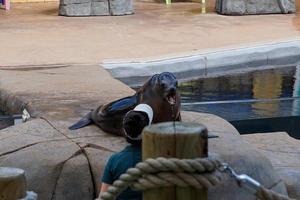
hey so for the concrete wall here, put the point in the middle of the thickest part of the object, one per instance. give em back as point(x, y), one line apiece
point(33, 1)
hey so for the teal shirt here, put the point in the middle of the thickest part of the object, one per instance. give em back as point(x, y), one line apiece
point(118, 164)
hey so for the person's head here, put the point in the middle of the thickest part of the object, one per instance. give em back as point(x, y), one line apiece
point(135, 121)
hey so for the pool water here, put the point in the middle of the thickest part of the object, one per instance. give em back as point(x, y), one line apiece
point(258, 101)
point(9, 120)
point(5, 122)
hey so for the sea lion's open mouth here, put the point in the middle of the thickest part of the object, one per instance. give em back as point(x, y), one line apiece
point(171, 98)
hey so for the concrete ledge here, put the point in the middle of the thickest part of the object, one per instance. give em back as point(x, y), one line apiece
point(279, 53)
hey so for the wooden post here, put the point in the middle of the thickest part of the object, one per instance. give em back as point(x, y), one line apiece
point(12, 183)
point(177, 140)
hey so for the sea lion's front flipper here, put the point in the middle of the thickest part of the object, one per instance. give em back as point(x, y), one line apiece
point(86, 120)
point(121, 105)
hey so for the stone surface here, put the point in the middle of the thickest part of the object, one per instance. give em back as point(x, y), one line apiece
point(76, 9)
point(291, 178)
point(32, 132)
point(71, 167)
point(42, 163)
point(251, 7)
point(284, 153)
point(95, 7)
point(243, 157)
point(100, 8)
point(75, 180)
point(210, 63)
point(98, 159)
point(67, 2)
point(121, 7)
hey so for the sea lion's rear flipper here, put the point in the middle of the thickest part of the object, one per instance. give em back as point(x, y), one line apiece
point(86, 120)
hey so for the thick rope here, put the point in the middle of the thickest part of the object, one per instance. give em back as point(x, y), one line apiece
point(266, 194)
point(162, 172)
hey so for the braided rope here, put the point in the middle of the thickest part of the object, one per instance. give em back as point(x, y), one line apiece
point(266, 194)
point(163, 172)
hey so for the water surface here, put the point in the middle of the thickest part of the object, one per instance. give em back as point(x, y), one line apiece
point(257, 101)
point(252, 95)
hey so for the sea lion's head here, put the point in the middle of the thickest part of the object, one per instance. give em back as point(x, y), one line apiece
point(160, 92)
point(167, 85)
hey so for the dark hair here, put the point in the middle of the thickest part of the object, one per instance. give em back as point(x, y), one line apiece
point(133, 123)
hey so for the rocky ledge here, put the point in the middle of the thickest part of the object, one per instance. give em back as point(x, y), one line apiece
point(252, 7)
point(95, 7)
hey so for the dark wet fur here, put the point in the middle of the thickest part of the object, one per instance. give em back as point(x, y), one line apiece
point(86, 120)
point(109, 117)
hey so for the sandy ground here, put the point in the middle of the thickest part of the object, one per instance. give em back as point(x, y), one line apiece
point(33, 34)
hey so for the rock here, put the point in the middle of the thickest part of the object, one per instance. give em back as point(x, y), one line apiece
point(60, 165)
point(95, 7)
point(68, 186)
point(70, 2)
point(77, 9)
point(43, 163)
point(121, 7)
point(284, 153)
point(98, 159)
point(98, 150)
point(251, 7)
point(53, 162)
point(31, 133)
point(100, 8)
point(240, 155)
point(291, 178)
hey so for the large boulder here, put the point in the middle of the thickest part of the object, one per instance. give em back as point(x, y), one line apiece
point(251, 7)
point(52, 162)
point(240, 155)
point(61, 164)
point(95, 7)
point(284, 153)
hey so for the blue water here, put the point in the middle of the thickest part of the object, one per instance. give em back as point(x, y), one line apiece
point(257, 101)
point(252, 95)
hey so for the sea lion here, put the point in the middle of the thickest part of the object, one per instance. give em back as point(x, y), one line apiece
point(160, 92)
